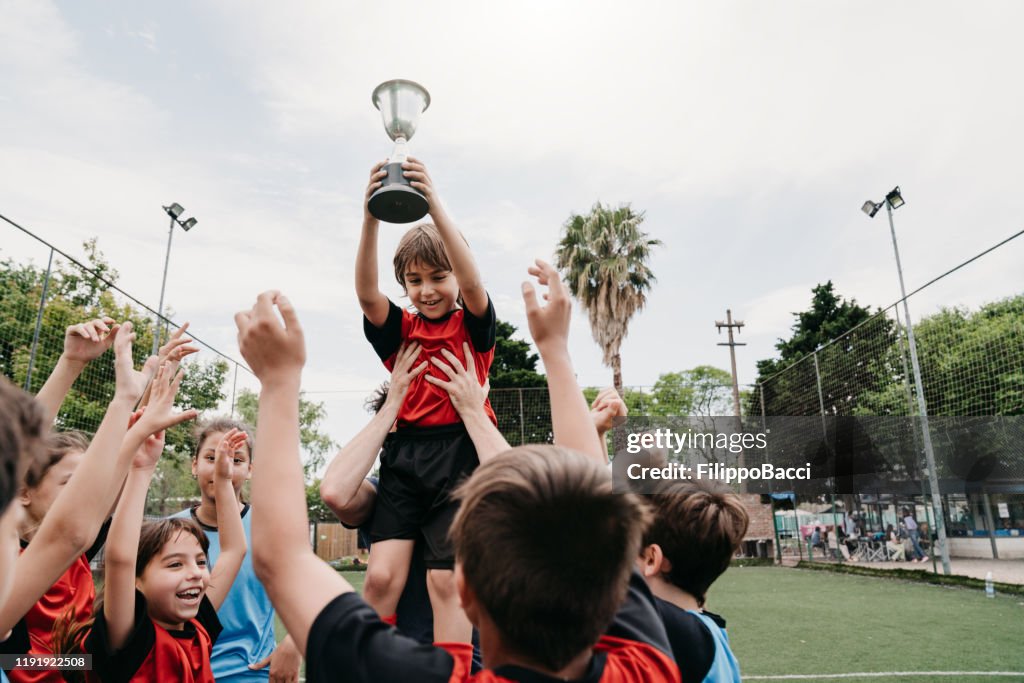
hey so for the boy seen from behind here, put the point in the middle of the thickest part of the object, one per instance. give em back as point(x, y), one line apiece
point(697, 528)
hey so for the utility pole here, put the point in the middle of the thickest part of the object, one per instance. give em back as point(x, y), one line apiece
point(729, 324)
point(732, 344)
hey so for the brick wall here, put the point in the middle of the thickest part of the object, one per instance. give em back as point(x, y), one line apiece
point(760, 517)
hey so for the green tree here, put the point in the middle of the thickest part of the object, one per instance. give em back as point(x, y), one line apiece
point(514, 364)
point(76, 294)
point(854, 352)
point(519, 394)
point(314, 442)
point(604, 258)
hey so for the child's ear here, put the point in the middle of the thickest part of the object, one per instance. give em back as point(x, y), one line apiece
point(24, 497)
point(467, 598)
point(653, 562)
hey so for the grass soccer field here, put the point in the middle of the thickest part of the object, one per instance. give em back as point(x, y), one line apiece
point(788, 621)
point(804, 626)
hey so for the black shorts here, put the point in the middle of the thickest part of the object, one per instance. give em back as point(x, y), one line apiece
point(419, 468)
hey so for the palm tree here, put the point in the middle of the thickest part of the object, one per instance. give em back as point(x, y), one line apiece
point(603, 256)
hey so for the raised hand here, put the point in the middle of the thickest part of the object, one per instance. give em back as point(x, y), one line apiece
point(419, 179)
point(89, 340)
point(148, 454)
point(231, 442)
point(463, 387)
point(274, 352)
point(176, 347)
point(549, 325)
point(159, 413)
point(607, 410)
point(129, 382)
point(377, 175)
point(174, 350)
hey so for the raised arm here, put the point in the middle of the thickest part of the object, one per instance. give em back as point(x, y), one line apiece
point(371, 300)
point(463, 265)
point(343, 488)
point(229, 520)
point(549, 326)
point(606, 410)
point(73, 521)
point(299, 584)
point(83, 342)
point(122, 548)
point(468, 399)
point(175, 349)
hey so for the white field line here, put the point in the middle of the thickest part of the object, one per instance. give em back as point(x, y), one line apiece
point(884, 674)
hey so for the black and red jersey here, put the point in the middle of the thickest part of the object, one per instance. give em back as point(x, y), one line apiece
point(73, 593)
point(348, 640)
point(427, 405)
point(154, 654)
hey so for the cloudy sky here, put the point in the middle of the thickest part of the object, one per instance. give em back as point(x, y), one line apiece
point(750, 133)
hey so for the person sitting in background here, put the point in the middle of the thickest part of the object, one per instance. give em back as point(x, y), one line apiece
point(893, 545)
point(817, 542)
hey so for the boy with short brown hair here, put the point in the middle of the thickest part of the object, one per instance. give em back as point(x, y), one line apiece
point(696, 530)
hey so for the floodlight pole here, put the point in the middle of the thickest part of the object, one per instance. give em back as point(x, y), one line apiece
point(163, 286)
point(929, 453)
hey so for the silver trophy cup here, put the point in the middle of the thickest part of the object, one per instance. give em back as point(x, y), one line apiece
point(400, 103)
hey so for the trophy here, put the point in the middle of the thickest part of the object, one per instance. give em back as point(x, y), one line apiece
point(400, 103)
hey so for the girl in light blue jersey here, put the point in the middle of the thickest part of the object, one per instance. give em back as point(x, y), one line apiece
point(245, 650)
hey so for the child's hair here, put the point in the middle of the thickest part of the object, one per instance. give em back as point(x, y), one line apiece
point(699, 526)
point(375, 401)
point(222, 425)
point(22, 438)
point(547, 548)
point(421, 243)
point(156, 534)
point(69, 632)
point(58, 444)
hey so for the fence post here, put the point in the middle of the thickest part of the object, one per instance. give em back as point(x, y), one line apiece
point(522, 419)
point(824, 436)
point(39, 325)
point(234, 388)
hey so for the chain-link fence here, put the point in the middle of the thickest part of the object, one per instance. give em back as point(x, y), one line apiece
point(43, 291)
point(971, 362)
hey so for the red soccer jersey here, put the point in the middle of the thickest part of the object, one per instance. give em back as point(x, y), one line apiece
point(33, 634)
point(348, 636)
point(154, 654)
point(623, 661)
point(427, 405)
point(73, 590)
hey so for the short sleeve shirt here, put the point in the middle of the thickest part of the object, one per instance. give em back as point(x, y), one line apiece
point(347, 636)
point(427, 405)
point(152, 653)
point(73, 593)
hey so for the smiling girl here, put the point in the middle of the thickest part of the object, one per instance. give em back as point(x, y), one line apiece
point(158, 621)
point(245, 651)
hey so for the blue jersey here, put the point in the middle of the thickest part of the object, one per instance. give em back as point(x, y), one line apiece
point(724, 668)
point(700, 644)
point(246, 615)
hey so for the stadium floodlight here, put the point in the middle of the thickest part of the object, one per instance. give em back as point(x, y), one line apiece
point(174, 211)
point(870, 208)
point(894, 200)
